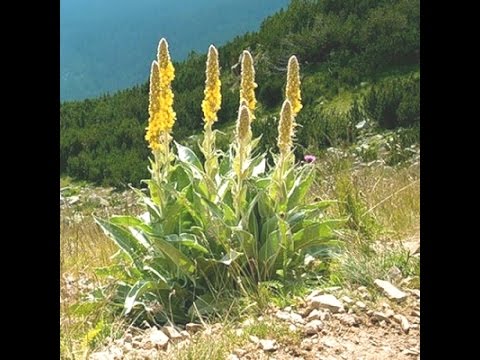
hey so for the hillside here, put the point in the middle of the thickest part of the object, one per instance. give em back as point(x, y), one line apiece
point(359, 61)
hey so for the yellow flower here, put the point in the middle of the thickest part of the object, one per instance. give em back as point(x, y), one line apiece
point(247, 83)
point(285, 128)
point(161, 114)
point(213, 96)
point(293, 85)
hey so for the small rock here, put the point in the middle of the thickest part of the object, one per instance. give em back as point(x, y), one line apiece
point(282, 315)
point(254, 339)
point(288, 309)
point(410, 352)
point(318, 315)
point(172, 333)
point(390, 291)
point(313, 327)
point(362, 289)
point(73, 200)
point(296, 318)
point(185, 334)
point(158, 338)
point(379, 316)
point(389, 313)
point(395, 274)
point(193, 328)
point(346, 299)
point(330, 343)
point(327, 302)
point(405, 324)
point(239, 332)
point(413, 247)
point(346, 319)
point(232, 357)
point(361, 305)
point(269, 345)
point(292, 328)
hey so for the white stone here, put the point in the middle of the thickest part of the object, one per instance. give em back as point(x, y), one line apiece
point(268, 345)
point(158, 338)
point(313, 327)
point(327, 302)
point(390, 290)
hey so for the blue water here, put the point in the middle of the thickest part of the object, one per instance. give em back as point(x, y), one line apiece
point(107, 45)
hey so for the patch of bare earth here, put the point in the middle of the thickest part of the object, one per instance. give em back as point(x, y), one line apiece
point(327, 325)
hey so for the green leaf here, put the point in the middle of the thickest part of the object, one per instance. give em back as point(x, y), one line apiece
point(137, 290)
point(123, 238)
point(176, 256)
point(269, 251)
point(190, 241)
point(186, 155)
point(126, 220)
point(316, 234)
point(246, 240)
point(299, 190)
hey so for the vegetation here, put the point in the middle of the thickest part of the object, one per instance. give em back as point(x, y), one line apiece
point(359, 60)
point(234, 220)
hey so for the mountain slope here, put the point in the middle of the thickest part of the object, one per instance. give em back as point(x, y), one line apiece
point(358, 59)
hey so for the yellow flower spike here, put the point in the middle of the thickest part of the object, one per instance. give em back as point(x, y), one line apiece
point(247, 83)
point(244, 131)
point(161, 114)
point(292, 90)
point(213, 97)
point(285, 128)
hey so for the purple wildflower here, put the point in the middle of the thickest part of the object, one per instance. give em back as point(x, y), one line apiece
point(309, 158)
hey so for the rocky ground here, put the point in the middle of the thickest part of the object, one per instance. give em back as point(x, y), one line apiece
point(328, 324)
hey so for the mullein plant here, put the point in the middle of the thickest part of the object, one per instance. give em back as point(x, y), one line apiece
point(161, 119)
point(210, 106)
point(286, 132)
point(224, 226)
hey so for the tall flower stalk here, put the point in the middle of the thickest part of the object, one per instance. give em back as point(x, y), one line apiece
point(242, 155)
point(247, 83)
point(292, 91)
point(285, 159)
point(161, 116)
point(210, 106)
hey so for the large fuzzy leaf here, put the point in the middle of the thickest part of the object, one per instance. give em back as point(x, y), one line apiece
point(186, 155)
point(174, 255)
point(316, 233)
point(124, 239)
point(300, 188)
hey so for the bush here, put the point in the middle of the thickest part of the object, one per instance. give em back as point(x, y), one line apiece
point(394, 103)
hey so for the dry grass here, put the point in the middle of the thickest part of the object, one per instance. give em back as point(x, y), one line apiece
point(388, 195)
point(83, 247)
